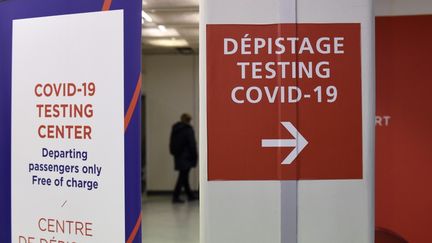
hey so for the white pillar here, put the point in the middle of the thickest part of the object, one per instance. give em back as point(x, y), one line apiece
point(343, 211)
point(325, 211)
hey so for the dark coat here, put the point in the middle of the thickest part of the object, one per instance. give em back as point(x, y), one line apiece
point(183, 146)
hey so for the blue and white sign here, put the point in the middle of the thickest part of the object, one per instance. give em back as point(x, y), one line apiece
point(70, 124)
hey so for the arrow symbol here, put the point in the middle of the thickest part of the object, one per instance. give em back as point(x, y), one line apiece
point(298, 143)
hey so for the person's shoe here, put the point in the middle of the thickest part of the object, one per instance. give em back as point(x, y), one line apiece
point(177, 201)
point(192, 198)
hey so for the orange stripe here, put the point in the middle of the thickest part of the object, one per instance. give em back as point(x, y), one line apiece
point(135, 229)
point(133, 103)
point(106, 5)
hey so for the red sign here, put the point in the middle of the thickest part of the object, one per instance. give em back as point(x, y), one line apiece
point(284, 102)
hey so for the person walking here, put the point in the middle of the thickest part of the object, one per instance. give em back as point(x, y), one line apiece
point(184, 149)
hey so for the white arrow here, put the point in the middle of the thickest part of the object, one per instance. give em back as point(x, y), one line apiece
point(298, 143)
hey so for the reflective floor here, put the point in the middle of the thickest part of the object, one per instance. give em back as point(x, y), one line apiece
point(164, 222)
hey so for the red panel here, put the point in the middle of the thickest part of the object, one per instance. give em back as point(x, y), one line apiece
point(403, 144)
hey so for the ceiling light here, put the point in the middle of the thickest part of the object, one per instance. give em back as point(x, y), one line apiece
point(156, 32)
point(169, 42)
point(162, 28)
point(147, 17)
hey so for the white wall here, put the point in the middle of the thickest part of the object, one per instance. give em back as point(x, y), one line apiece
point(170, 84)
point(402, 7)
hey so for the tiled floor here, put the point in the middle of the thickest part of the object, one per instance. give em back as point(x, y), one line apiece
point(164, 222)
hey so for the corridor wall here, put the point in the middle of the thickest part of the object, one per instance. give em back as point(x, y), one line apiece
point(170, 86)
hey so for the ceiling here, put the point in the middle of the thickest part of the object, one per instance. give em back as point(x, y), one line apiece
point(170, 26)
